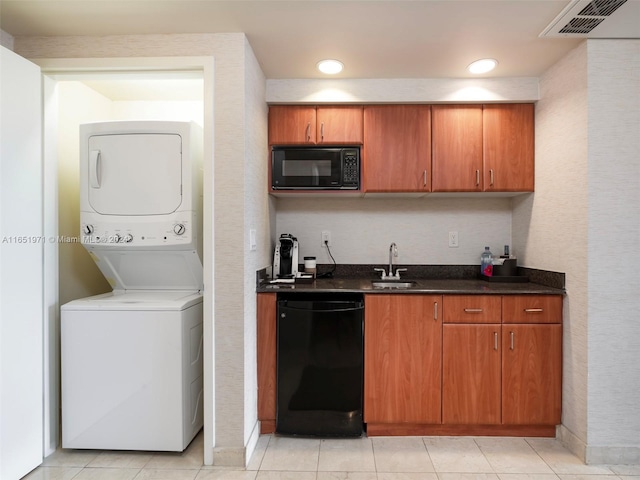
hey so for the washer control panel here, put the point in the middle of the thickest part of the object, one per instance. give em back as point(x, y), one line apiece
point(179, 232)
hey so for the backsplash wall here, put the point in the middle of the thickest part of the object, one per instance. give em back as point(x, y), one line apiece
point(363, 228)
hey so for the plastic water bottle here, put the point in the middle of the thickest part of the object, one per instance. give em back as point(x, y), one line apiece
point(486, 263)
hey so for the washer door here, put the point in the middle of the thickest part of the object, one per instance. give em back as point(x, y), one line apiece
point(135, 174)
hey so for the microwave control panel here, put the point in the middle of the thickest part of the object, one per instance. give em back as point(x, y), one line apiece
point(351, 168)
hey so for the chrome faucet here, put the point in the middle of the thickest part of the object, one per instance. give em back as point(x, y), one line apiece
point(393, 252)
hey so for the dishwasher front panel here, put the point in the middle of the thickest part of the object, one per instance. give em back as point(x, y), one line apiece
point(320, 365)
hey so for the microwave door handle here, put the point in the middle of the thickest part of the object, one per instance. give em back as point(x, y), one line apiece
point(315, 173)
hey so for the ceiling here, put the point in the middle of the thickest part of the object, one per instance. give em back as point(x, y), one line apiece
point(373, 38)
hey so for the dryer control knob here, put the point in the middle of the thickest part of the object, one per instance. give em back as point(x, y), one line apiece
point(128, 238)
point(179, 229)
point(87, 229)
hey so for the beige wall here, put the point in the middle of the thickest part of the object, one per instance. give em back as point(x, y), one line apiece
point(583, 220)
point(550, 227)
point(614, 251)
point(78, 273)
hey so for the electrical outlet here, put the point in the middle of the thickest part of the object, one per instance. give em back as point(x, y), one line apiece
point(326, 238)
point(453, 239)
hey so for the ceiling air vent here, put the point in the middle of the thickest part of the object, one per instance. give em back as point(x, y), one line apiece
point(581, 17)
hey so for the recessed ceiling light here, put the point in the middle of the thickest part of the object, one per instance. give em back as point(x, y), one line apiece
point(330, 67)
point(482, 66)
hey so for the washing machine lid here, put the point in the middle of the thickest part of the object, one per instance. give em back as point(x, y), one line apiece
point(135, 173)
point(137, 300)
point(150, 269)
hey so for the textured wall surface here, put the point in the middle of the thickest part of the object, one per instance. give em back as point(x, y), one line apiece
point(583, 220)
point(363, 228)
point(403, 90)
point(256, 217)
point(614, 250)
point(550, 227)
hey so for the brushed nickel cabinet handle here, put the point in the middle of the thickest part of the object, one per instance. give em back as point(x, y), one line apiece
point(477, 178)
point(424, 178)
point(534, 310)
point(435, 310)
point(491, 177)
point(495, 340)
point(472, 310)
point(308, 131)
point(512, 340)
point(322, 131)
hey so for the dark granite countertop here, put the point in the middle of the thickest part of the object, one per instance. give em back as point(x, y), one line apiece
point(423, 286)
point(428, 280)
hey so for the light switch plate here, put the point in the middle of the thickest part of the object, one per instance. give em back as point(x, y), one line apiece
point(253, 245)
point(453, 239)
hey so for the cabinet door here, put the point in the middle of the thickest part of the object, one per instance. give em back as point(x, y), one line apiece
point(397, 148)
point(339, 125)
point(508, 147)
point(456, 158)
point(403, 349)
point(531, 374)
point(266, 340)
point(471, 374)
point(292, 125)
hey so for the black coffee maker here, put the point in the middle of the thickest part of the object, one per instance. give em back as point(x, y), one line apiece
point(285, 258)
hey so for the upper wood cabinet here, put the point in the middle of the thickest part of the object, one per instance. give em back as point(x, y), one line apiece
point(402, 359)
point(305, 125)
point(397, 148)
point(482, 148)
point(508, 147)
point(457, 148)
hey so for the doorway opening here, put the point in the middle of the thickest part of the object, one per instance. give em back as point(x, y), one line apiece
point(93, 90)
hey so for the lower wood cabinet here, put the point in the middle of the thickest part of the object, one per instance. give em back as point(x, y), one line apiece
point(471, 374)
point(266, 346)
point(402, 359)
point(505, 373)
point(531, 374)
point(446, 365)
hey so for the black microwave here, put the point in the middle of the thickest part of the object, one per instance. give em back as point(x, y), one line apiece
point(315, 168)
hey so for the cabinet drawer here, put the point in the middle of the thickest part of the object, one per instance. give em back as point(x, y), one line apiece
point(471, 309)
point(532, 309)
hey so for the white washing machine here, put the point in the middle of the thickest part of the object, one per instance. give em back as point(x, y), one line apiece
point(132, 358)
point(132, 371)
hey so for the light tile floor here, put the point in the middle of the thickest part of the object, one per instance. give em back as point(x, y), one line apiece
point(378, 458)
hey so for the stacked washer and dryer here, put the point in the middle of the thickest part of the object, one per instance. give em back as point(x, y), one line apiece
point(132, 358)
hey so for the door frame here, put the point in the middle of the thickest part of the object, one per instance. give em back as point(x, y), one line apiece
point(55, 69)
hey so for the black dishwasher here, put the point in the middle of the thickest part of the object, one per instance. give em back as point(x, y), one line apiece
point(320, 365)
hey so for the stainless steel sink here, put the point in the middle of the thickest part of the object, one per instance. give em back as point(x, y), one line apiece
point(392, 284)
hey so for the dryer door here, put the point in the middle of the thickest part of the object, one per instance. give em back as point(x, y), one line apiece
point(135, 174)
